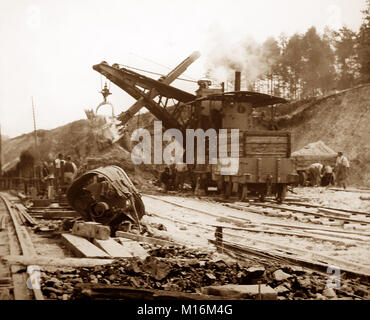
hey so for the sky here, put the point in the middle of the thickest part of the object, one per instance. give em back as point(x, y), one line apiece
point(48, 47)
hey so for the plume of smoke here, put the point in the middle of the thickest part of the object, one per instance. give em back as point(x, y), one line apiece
point(227, 54)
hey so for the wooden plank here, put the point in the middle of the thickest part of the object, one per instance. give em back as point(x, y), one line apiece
point(101, 291)
point(113, 248)
point(53, 261)
point(91, 230)
point(19, 217)
point(26, 216)
point(59, 214)
point(82, 247)
point(134, 247)
point(151, 240)
point(19, 277)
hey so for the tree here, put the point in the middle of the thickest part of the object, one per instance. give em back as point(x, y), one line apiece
point(291, 64)
point(270, 58)
point(363, 46)
point(346, 57)
point(318, 64)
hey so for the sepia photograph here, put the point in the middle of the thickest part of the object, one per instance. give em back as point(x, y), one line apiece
point(184, 158)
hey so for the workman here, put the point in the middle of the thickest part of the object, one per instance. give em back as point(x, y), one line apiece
point(341, 170)
point(164, 179)
point(70, 171)
point(314, 172)
point(327, 176)
point(58, 171)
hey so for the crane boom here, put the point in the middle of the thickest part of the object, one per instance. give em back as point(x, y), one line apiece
point(172, 76)
point(129, 81)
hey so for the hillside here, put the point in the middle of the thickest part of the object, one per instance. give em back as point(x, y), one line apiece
point(341, 121)
point(79, 139)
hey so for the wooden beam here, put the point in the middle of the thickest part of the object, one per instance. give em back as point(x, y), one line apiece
point(91, 230)
point(82, 247)
point(139, 238)
point(98, 291)
point(134, 247)
point(54, 262)
point(113, 248)
point(59, 214)
point(22, 211)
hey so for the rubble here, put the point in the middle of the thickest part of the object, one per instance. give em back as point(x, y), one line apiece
point(184, 270)
point(280, 275)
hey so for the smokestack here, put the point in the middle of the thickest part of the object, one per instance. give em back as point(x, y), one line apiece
point(237, 80)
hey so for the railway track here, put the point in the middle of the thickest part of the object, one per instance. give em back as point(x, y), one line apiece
point(311, 214)
point(17, 282)
point(284, 212)
point(242, 227)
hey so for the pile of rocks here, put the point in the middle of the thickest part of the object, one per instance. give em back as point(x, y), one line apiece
point(184, 270)
point(295, 283)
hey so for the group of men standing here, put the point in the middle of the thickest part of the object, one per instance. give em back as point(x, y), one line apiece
point(325, 175)
point(58, 174)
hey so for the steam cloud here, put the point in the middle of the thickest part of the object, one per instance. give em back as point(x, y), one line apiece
point(227, 54)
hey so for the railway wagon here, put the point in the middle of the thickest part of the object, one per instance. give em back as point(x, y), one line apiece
point(263, 161)
point(264, 166)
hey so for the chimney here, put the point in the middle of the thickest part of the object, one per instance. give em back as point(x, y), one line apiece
point(237, 80)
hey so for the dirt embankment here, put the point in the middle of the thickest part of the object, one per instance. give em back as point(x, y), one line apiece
point(341, 121)
point(80, 140)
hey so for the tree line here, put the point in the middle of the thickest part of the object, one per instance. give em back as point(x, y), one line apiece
point(310, 64)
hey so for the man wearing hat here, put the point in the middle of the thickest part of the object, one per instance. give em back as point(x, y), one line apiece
point(341, 170)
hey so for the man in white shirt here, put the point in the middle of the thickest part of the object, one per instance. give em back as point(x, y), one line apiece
point(341, 170)
point(70, 171)
point(58, 171)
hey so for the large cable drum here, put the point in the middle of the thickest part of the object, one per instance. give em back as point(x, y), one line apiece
point(106, 195)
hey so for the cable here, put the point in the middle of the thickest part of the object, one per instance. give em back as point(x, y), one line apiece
point(156, 73)
point(152, 61)
point(147, 59)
